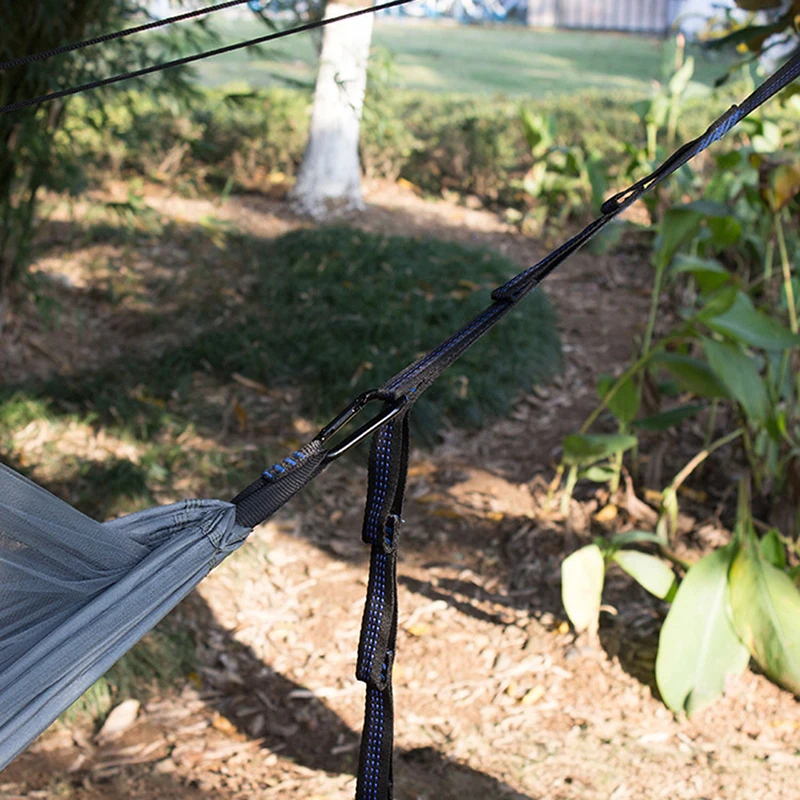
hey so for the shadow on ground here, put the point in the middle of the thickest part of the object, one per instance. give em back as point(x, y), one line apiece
point(298, 726)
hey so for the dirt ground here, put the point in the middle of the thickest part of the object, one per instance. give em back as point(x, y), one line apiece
point(495, 697)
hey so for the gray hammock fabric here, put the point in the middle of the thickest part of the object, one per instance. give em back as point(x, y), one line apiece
point(76, 594)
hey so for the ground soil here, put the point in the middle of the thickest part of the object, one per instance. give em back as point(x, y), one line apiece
point(495, 696)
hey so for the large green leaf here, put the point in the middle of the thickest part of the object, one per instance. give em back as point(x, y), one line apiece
point(678, 225)
point(582, 450)
point(582, 576)
point(693, 375)
point(710, 274)
point(668, 419)
point(725, 231)
point(772, 549)
point(648, 571)
point(745, 323)
point(766, 612)
point(624, 405)
point(634, 537)
point(717, 303)
point(698, 646)
point(740, 375)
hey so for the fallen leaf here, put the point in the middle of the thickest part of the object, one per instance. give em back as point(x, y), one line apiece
point(250, 383)
point(119, 720)
point(533, 695)
point(607, 514)
point(222, 724)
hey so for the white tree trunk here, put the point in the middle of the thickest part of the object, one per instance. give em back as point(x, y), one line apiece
point(329, 179)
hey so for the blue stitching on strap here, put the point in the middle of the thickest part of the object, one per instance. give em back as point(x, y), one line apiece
point(375, 724)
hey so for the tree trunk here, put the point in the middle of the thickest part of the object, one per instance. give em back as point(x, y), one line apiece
point(329, 179)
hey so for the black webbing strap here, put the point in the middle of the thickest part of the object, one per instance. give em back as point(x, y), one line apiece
point(388, 462)
point(388, 465)
point(278, 484)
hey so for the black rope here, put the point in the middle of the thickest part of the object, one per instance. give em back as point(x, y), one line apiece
point(139, 73)
point(108, 37)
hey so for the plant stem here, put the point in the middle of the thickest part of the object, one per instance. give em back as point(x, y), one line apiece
point(769, 257)
point(665, 552)
point(651, 317)
point(752, 460)
point(787, 273)
point(712, 421)
point(678, 480)
point(629, 373)
point(572, 479)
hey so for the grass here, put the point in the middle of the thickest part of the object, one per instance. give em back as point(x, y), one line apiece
point(447, 58)
point(335, 311)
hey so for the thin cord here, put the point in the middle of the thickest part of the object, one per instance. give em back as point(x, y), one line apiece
point(309, 26)
point(108, 37)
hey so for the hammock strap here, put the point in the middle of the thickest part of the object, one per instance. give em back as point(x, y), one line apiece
point(382, 521)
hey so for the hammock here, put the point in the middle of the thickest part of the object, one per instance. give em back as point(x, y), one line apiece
point(76, 594)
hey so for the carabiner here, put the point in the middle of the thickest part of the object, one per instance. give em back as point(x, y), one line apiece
point(393, 406)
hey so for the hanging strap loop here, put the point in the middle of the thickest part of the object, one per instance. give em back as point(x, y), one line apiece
point(388, 468)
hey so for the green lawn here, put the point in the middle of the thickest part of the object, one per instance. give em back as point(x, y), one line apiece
point(443, 57)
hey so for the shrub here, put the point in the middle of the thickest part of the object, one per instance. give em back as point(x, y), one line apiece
point(348, 309)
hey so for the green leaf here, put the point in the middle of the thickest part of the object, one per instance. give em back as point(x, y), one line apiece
point(582, 575)
point(772, 549)
point(680, 80)
point(698, 646)
point(668, 419)
point(582, 450)
point(710, 274)
point(598, 180)
point(740, 375)
point(717, 303)
point(750, 33)
point(766, 610)
point(650, 572)
point(624, 405)
point(728, 161)
point(678, 225)
point(747, 324)
point(769, 140)
point(708, 208)
point(538, 130)
point(634, 537)
point(693, 375)
point(725, 231)
point(598, 474)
